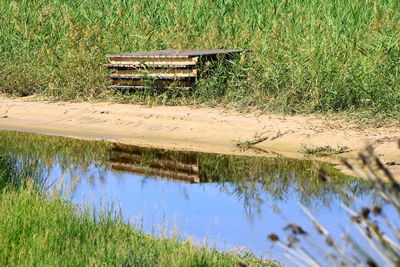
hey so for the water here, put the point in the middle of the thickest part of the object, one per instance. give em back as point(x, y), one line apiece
point(223, 201)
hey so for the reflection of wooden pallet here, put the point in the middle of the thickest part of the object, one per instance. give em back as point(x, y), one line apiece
point(149, 171)
point(171, 68)
point(150, 162)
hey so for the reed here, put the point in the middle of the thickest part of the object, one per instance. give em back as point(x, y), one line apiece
point(374, 239)
point(308, 56)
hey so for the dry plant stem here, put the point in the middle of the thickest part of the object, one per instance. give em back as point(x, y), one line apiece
point(296, 254)
point(382, 185)
point(294, 260)
point(359, 250)
point(379, 239)
point(365, 223)
point(393, 227)
point(320, 229)
point(380, 252)
point(328, 238)
point(306, 253)
point(382, 247)
point(313, 243)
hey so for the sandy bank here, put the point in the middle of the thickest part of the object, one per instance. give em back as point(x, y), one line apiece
point(198, 129)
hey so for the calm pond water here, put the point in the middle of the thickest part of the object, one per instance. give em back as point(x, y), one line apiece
point(220, 200)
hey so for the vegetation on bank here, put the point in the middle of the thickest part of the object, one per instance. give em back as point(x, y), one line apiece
point(307, 56)
point(39, 231)
point(36, 229)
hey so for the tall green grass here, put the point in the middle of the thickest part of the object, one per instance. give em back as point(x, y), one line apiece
point(35, 231)
point(308, 56)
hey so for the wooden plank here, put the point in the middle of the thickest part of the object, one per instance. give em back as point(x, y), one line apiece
point(155, 82)
point(157, 72)
point(171, 76)
point(153, 61)
point(179, 53)
point(159, 83)
point(133, 88)
point(147, 66)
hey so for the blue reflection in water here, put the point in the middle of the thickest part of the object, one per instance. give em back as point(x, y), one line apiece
point(234, 201)
point(198, 211)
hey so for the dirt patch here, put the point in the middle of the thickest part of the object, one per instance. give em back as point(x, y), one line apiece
point(197, 129)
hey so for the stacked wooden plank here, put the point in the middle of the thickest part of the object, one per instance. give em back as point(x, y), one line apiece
point(161, 68)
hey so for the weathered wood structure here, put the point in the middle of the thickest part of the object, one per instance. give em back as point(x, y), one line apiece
point(161, 68)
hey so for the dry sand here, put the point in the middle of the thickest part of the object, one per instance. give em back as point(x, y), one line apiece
point(197, 129)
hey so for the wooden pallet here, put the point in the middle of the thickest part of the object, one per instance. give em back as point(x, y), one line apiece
point(161, 68)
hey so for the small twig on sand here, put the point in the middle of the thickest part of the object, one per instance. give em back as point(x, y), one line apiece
point(279, 134)
point(247, 144)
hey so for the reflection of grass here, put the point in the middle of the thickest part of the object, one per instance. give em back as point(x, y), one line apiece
point(278, 177)
point(255, 178)
point(49, 149)
point(14, 171)
point(38, 231)
point(245, 176)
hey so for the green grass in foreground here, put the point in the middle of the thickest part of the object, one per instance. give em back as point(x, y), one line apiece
point(308, 56)
point(38, 231)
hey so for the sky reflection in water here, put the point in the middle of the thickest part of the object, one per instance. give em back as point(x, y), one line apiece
point(239, 201)
point(199, 211)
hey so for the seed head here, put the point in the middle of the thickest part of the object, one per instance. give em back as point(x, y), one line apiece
point(377, 210)
point(365, 213)
point(329, 241)
point(371, 263)
point(296, 229)
point(273, 237)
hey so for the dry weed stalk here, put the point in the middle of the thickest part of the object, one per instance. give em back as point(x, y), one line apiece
point(374, 247)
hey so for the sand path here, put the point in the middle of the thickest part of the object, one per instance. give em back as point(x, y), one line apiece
point(198, 129)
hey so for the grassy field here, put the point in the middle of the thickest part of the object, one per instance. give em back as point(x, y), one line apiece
point(308, 56)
